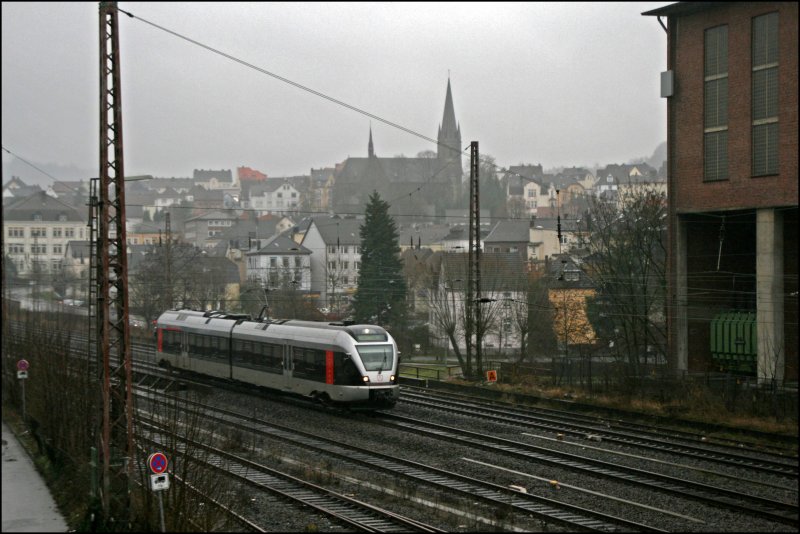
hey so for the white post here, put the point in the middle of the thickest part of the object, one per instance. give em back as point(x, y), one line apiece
point(161, 512)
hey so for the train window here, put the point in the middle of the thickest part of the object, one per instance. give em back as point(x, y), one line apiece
point(362, 338)
point(206, 347)
point(368, 333)
point(377, 357)
point(272, 357)
point(345, 372)
point(219, 347)
point(309, 363)
point(261, 356)
point(242, 352)
point(192, 345)
point(171, 341)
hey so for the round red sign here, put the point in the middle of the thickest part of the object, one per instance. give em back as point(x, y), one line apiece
point(22, 365)
point(157, 462)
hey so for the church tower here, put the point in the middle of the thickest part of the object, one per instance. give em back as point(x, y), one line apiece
point(370, 147)
point(449, 144)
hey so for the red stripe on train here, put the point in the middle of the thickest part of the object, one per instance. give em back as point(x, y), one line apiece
point(329, 367)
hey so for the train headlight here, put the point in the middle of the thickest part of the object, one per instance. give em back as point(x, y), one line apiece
point(391, 378)
point(365, 379)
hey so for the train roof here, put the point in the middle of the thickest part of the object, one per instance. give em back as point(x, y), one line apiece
point(288, 328)
point(216, 320)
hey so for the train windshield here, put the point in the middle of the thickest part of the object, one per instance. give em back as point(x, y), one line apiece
point(376, 357)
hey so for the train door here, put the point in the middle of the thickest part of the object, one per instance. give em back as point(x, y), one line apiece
point(183, 359)
point(288, 367)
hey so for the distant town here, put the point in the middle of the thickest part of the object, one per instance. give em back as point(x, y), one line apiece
point(248, 226)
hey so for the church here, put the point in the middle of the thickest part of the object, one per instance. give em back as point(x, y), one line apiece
point(420, 187)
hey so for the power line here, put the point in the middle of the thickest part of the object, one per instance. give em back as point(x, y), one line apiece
point(55, 180)
point(288, 81)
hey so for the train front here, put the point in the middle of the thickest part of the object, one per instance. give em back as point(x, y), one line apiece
point(377, 356)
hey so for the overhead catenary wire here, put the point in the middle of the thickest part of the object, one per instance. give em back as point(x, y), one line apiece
point(287, 80)
point(55, 180)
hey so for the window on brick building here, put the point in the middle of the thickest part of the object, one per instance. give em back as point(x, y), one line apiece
point(765, 94)
point(715, 121)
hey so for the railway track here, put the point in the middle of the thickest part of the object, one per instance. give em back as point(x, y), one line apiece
point(551, 511)
point(780, 445)
point(607, 431)
point(346, 510)
point(233, 516)
point(613, 431)
point(778, 511)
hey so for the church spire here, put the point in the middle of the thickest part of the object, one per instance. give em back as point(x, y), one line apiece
point(449, 126)
point(449, 142)
point(370, 147)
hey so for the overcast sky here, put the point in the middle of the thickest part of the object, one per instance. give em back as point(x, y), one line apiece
point(553, 83)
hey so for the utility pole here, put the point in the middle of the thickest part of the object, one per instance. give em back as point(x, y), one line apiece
point(558, 226)
point(116, 439)
point(474, 260)
point(168, 261)
point(94, 276)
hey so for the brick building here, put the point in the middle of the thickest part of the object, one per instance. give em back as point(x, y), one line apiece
point(731, 86)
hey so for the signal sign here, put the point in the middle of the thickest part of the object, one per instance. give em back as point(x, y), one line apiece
point(23, 365)
point(157, 462)
point(491, 376)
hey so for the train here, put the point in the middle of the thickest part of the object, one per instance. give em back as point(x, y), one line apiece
point(336, 363)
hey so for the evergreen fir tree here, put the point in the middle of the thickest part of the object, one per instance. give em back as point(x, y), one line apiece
point(381, 294)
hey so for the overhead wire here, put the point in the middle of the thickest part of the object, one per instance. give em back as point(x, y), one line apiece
point(285, 80)
point(55, 180)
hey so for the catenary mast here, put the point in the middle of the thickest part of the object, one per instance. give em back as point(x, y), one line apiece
point(113, 334)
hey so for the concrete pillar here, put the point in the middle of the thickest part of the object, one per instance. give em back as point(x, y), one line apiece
point(769, 295)
point(680, 315)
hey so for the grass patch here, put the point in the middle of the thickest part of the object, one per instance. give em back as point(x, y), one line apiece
point(694, 403)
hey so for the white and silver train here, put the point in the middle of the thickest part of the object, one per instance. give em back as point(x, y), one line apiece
point(352, 365)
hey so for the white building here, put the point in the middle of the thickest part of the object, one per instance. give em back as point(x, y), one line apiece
point(280, 263)
point(36, 231)
point(273, 196)
point(335, 245)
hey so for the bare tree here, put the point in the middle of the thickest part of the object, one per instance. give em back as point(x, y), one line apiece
point(446, 311)
point(627, 261)
point(516, 208)
point(175, 426)
point(174, 275)
point(208, 289)
point(334, 277)
point(288, 303)
point(59, 400)
point(540, 324)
